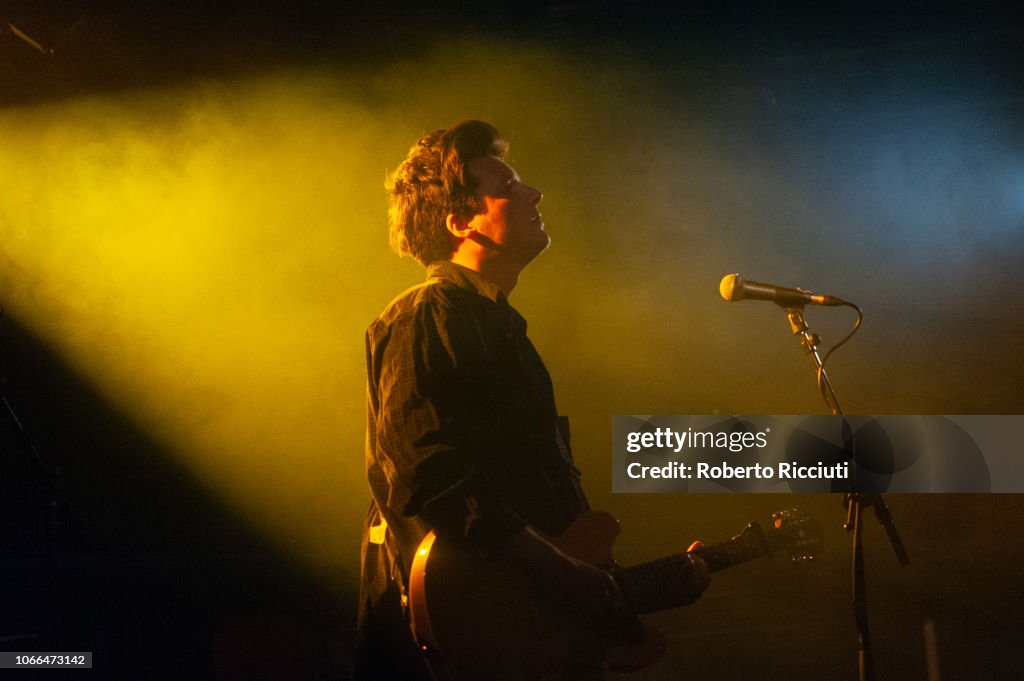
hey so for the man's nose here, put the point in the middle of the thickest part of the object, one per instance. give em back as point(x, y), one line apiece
point(534, 195)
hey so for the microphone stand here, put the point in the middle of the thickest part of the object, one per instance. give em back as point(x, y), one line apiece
point(855, 501)
point(809, 342)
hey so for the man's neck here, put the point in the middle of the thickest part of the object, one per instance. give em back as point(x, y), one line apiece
point(504, 276)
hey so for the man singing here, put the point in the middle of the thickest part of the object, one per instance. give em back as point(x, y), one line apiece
point(463, 437)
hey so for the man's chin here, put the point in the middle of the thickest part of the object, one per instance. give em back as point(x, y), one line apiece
point(521, 253)
point(542, 244)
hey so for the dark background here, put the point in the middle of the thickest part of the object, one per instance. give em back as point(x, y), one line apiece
point(874, 150)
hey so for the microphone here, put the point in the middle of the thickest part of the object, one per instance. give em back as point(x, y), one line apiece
point(734, 287)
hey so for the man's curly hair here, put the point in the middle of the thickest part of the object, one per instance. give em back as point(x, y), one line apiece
point(434, 181)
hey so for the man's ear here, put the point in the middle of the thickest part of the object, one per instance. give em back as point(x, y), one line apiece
point(458, 226)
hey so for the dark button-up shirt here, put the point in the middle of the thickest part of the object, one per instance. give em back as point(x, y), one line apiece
point(463, 436)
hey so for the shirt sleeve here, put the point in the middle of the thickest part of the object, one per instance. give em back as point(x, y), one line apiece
point(422, 364)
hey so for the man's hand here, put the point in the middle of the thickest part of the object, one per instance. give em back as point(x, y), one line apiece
point(584, 592)
point(691, 585)
point(593, 597)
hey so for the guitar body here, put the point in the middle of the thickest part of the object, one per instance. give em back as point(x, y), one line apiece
point(478, 619)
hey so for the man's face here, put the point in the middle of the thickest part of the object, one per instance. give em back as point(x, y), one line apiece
point(510, 225)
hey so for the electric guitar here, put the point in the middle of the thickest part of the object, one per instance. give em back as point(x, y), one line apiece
point(477, 619)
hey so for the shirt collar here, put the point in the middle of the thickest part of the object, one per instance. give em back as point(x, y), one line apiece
point(470, 280)
point(466, 278)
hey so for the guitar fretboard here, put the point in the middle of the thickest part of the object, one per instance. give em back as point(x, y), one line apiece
point(659, 584)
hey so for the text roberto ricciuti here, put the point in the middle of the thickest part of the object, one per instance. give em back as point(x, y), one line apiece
point(734, 441)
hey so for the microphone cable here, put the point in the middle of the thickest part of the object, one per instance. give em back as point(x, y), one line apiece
point(856, 327)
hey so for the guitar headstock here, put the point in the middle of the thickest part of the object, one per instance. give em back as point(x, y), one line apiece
point(795, 532)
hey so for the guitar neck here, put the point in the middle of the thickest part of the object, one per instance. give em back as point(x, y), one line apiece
point(659, 584)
